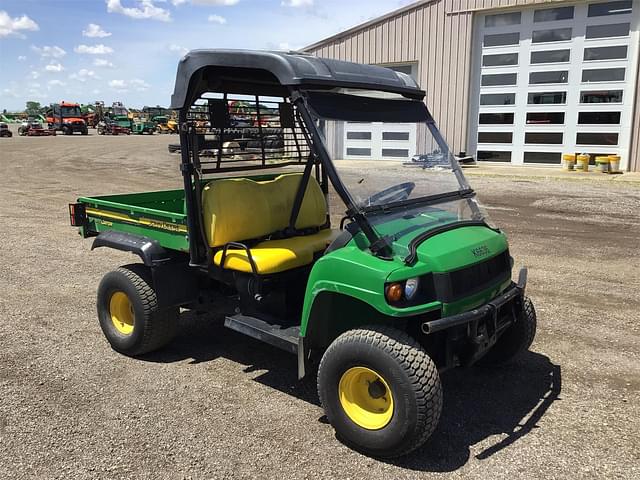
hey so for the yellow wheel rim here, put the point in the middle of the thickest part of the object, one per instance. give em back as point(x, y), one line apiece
point(366, 398)
point(121, 310)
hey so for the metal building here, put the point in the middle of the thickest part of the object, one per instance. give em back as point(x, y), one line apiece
point(518, 81)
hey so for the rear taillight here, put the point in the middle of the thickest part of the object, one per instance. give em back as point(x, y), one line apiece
point(77, 214)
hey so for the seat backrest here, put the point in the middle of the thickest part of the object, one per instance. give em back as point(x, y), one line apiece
point(237, 209)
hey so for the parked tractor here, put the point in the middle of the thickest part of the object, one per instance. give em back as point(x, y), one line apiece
point(165, 124)
point(67, 118)
point(33, 128)
point(142, 125)
point(4, 130)
point(111, 126)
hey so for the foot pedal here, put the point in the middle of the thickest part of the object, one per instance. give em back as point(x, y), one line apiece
point(285, 338)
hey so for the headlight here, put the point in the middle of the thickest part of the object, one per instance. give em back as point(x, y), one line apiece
point(411, 288)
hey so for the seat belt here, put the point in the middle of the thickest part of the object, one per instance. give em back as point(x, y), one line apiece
point(297, 203)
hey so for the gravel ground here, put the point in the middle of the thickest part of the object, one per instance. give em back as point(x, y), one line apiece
point(218, 405)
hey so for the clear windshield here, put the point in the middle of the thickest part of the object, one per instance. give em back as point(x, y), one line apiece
point(397, 168)
point(71, 112)
point(383, 163)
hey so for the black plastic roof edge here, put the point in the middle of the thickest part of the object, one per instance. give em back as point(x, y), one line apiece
point(289, 69)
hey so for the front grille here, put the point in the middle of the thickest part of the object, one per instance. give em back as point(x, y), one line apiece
point(452, 286)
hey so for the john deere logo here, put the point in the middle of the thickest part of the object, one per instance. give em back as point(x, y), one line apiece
point(480, 251)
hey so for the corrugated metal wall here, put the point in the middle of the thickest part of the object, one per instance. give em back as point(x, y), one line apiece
point(437, 35)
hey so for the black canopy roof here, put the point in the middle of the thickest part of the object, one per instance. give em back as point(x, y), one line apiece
point(272, 73)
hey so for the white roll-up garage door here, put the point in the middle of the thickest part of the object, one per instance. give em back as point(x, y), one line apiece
point(554, 80)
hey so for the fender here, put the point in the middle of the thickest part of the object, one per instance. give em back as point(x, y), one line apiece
point(149, 250)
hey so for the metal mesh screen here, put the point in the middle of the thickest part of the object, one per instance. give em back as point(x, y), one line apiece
point(240, 132)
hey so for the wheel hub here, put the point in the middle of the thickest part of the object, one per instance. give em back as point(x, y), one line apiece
point(122, 314)
point(366, 398)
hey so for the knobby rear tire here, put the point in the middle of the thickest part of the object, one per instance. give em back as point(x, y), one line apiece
point(153, 328)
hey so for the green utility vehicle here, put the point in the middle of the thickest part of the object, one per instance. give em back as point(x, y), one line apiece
point(376, 275)
point(140, 126)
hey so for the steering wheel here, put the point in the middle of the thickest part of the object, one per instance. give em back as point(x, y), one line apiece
point(392, 194)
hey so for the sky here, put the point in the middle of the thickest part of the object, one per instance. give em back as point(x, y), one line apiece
point(128, 50)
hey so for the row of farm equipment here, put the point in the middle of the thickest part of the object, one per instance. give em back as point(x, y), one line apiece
point(68, 118)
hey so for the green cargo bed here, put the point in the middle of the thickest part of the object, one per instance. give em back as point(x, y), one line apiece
point(157, 215)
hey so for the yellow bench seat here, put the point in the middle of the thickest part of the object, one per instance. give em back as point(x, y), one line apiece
point(274, 256)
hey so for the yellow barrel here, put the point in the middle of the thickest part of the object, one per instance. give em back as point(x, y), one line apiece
point(583, 163)
point(602, 164)
point(569, 160)
point(614, 163)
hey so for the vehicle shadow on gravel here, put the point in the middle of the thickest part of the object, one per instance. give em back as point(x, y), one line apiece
point(481, 402)
point(478, 402)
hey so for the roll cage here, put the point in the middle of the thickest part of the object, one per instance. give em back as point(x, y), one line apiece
point(210, 84)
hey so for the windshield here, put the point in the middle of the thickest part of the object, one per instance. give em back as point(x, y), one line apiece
point(392, 159)
point(71, 112)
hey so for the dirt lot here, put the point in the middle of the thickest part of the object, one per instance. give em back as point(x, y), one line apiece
point(219, 405)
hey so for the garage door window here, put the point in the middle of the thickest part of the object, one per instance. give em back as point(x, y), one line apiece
point(601, 96)
point(606, 53)
point(543, 138)
point(496, 118)
point(543, 157)
point(499, 79)
point(359, 151)
point(553, 14)
point(596, 138)
point(609, 8)
point(546, 98)
point(553, 35)
point(501, 39)
point(560, 76)
point(500, 60)
point(545, 118)
point(607, 31)
point(502, 19)
point(495, 137)
point(598, 118)
point(551, 56)
point(497, 99)
point(359, 135)
point(603, 75)
point(493, 156)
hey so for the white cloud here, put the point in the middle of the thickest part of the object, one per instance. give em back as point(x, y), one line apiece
point(9, 92)
point(177, 48)
point(217, 19)
point(54, 67)
point(133, 84)
point(210, 3)
point(83, 75)
point(21, 58)
point(93, 49)
point(297, 3)
point(34, 74)
point(14, 26)
point(56, 83)
point(118, 84)
point(102, 62)
point(49, 51)
point(95, 31)
point(145, 10)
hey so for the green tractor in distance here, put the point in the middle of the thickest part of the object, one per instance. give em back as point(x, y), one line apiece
point(141, 125)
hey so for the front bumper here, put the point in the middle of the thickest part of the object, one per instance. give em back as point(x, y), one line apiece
point(485, 324)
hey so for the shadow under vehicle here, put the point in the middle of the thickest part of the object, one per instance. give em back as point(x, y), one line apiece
point(411, 280)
